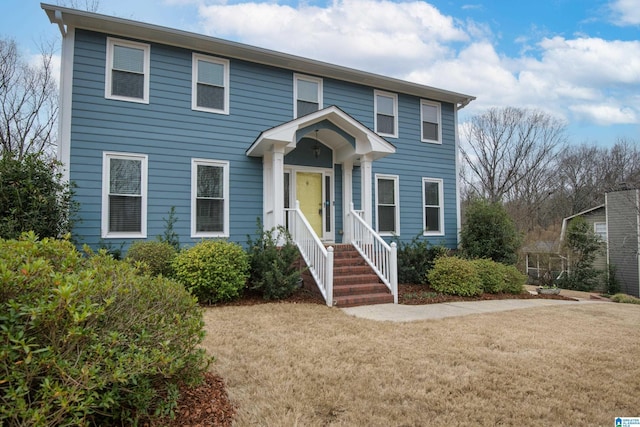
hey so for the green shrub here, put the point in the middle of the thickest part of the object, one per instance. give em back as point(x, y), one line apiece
point(88, 341)
point(624, 298)
point(612, 285)
point(272, 267)
point(156, 256)
point(514, 280)
point(489, 232)
point(33, 197)
point(491, 274)
point(213, 270)
point(455, 276)
point(416, 258)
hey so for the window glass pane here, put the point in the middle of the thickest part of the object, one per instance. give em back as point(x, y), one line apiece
point(128, 59)
point(386, 190)
point(305, 108)
point(127, 84)
point(210, 96)
point(430, 131)
point(386, 219)
point(210, 215)
point(125, 176)
point(210, 73)
point(327, 203)
point(210, 181)
point(308, 91)
point(429, 113)
point(287, 196)
point(431, 196)
point(432, 219)
point(385, 124)
point(385, 105)
point(125, 214)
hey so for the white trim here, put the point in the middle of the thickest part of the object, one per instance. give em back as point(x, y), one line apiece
point(317, 80)
point(65, 100)
point(456, 140)
point(438, 107)
point(396, 198)
point(440, 183)
point(393, 96)
point(194, 185)
point(324, 172)
point(194, 83)
point(106, 158)
point(146, 48)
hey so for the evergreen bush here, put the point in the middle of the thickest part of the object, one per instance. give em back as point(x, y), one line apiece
point(157, 257)
point(491, 274)
point(514, 280)
point(213, 270)
point(455, 276)
point(416, 258)
point(89, 341)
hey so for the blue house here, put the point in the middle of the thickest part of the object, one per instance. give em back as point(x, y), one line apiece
point(153, 118)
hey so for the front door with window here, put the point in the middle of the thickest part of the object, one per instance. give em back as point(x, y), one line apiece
point(314, 192)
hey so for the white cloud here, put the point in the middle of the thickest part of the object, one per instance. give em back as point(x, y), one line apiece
point(605, 114)
point(625, 12)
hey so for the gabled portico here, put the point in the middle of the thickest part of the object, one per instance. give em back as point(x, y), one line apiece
point(349, 142)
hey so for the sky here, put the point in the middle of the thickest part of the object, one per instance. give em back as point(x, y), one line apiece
point(578, 60)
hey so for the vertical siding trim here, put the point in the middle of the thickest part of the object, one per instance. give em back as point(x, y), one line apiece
point(606, 219)
point(66, 90)
point(638, 237)
point(456, 140)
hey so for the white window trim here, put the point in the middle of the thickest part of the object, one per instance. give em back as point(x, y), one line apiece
point(440, 183)
point(377, 93)
point(194, 193)
point(194, 83)
point(396, 190)
point(317, 80)
point(106, 158)
point(111, 42)
point(595, 230)
point(439, 113)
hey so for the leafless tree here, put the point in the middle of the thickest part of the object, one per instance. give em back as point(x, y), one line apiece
point(89, 5)
point(504, 147)
point(28, 100)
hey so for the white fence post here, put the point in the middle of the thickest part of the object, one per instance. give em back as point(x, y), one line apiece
point(329, 276)
point(393, 271)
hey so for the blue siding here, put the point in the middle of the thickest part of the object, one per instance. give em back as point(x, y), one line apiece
point(261, 97)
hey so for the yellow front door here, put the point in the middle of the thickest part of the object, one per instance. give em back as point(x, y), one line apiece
point(309, 194)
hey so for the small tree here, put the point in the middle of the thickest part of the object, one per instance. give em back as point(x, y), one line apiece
point(489, 233)
point(582, 245)
point(33, 197)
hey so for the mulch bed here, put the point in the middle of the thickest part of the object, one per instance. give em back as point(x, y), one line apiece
point(209, 405)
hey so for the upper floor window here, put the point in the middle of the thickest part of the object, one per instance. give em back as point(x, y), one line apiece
point(433, 206)
point(386, 111)
point(307, 95)
point(600, 228)
point(388, 208)
point(127, 75)
point(431, 118)
point(209, 198)
point(210, 90)
point(124, 195)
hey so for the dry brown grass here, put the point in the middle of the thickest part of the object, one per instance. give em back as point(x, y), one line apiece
point(309, 365)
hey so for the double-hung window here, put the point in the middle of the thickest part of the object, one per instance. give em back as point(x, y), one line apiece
point(431, 118)
point(307, 95)
point(386, 112)
point(210, 91)
point(124, 195)
point(127, 71)
point(209, 198)
point(600, 228)
point(432, 200)
point(388, 208)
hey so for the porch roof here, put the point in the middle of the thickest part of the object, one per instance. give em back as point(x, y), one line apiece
point(287, 135)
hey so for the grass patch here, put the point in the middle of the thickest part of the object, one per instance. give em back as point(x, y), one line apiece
point(302, 364)
point(624, 298)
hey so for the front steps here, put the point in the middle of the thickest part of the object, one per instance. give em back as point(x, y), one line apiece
point(354, 282)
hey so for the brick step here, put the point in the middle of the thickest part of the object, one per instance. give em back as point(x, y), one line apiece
point(346, 262)
point(343, 248)
point(346, 270)
point(360, 289)
point(365, 299)
point(354, 279)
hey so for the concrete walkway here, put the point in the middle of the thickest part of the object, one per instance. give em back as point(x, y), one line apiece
point(408, 313)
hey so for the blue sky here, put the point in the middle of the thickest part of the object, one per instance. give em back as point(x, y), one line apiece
point(576, 59)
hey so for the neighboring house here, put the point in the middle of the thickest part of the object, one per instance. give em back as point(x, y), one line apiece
point(153, 118)
point(617, 222)
point(543, 262)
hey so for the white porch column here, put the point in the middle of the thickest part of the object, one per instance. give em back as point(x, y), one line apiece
point(366, 188)
point(267, 190)
point(347, 199)
point(278, 185)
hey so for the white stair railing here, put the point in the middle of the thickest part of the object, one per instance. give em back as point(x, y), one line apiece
point(318, 258)
point(382, 257)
